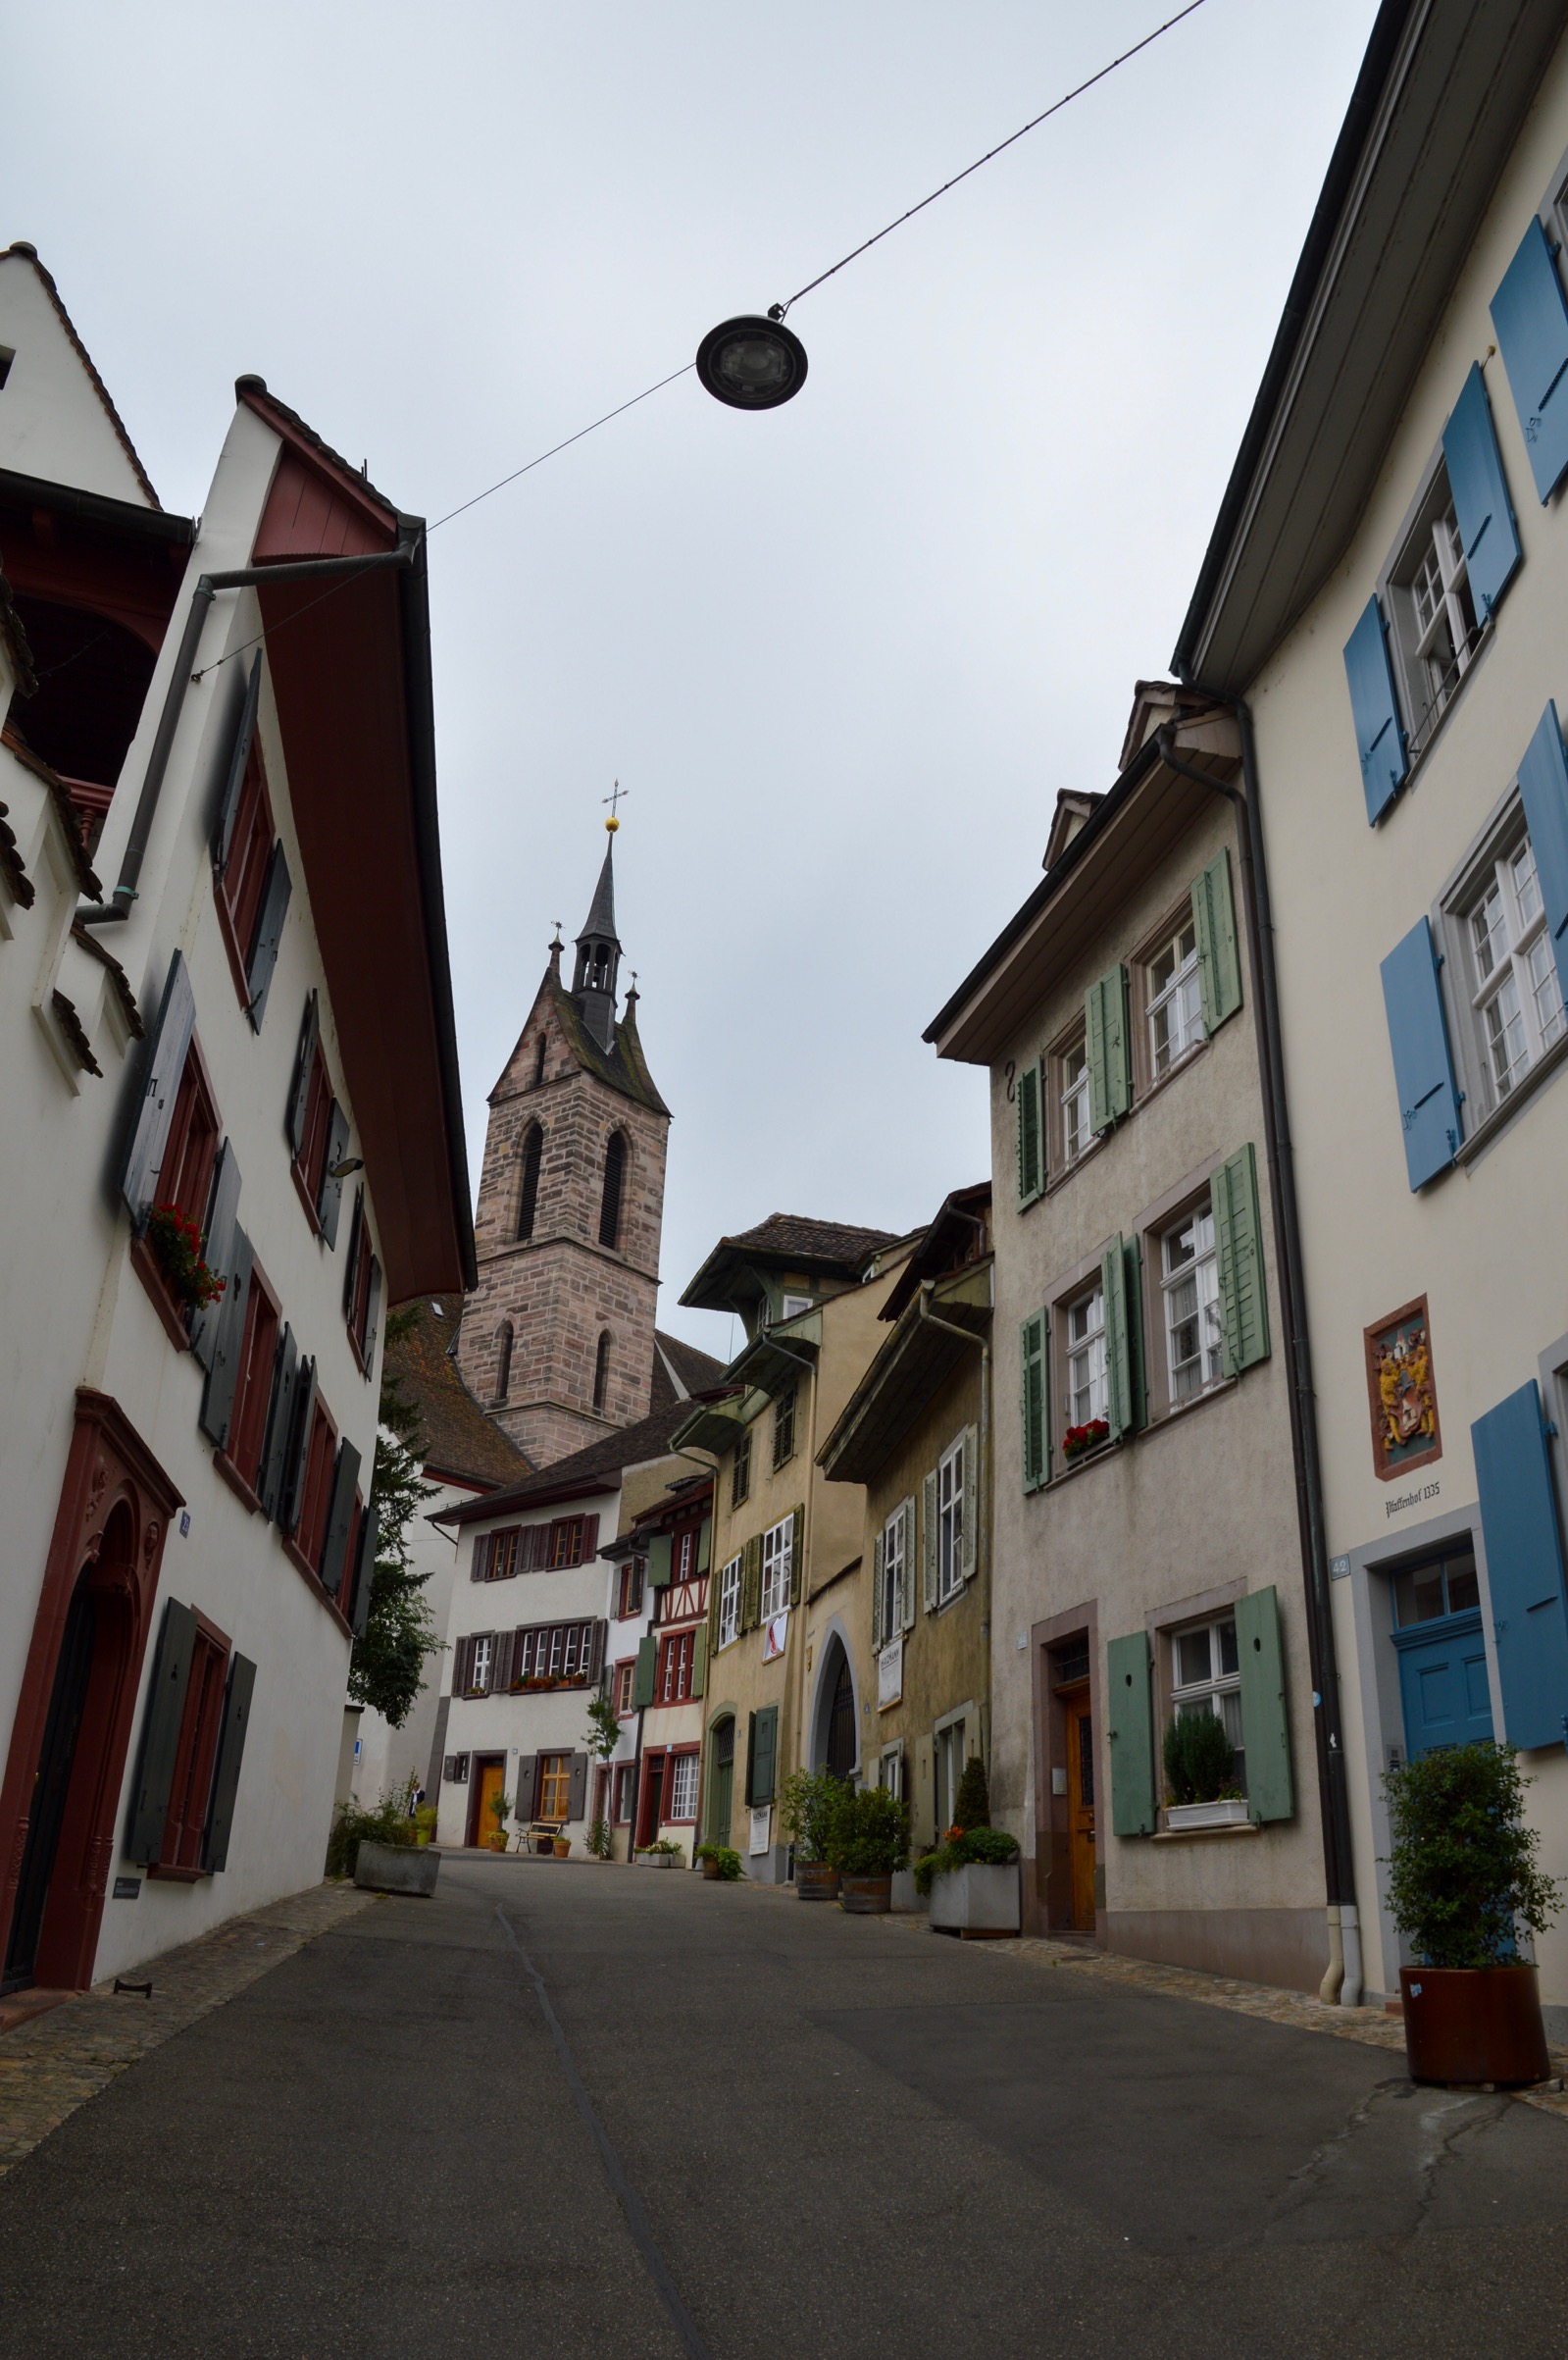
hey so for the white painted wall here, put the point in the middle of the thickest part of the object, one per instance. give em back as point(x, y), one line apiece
point(53, 422)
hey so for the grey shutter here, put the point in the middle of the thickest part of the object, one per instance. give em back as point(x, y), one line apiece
point(285, 1374)
point(461, 1650)
point(1029, 1112)
point(528, 1788)
point(269, 934)
point(577, 1793)
point(1265, 1732)
point(329, 1199)
point(221, 1241)
point(339, 1517)
point(479, 1561)
point(1379, 738)
point(503, 1654)
point(1423, 1066)
point(1033, 1401)
point(1118, 1340)
point(163, 1064)
point(659, 1561)
point(234, 777)
point(228, 1342)
point(1108, 1049)
point(351, 1261)
point(1531, 320)
point(1544, 791)
point(1219, 953)
point(160, 1732)
point(1238, 1236)
point(434, 1776)
point(1481, 508)
point(359, 1602)
point(700, 1659)
point(291, 1489)
point(971, 1502)
point(1130, 1732)
point(751, 1583)
point(230, 1753)
point(596, 1657)
point(372, 1315)
point(906, 1599)
point(1524, 1567)
point(1136, 1334)
point(299, 1087)
point(751, 1752)
point(765, 1764)
point(797, 1528)
point(878, 1553)
point(929, 1541)
point(642, 1680)
point(705, 1545)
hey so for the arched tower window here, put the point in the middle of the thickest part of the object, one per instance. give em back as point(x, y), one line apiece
point(614, 1179)
point(601, 1370)
point(532, 1149)
point(503, 1362)
point(538, 1062)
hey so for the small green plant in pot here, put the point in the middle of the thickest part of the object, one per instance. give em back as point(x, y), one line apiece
point(1199, 1758)
point(807, 1801)
point(1463, 1884)
point(868, 1841)
point(499, 1805)
point(719, 1862)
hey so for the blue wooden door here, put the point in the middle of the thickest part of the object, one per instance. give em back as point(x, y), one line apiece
point(1443, 1684)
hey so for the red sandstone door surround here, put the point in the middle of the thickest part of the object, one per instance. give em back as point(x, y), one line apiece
point(109, 1534)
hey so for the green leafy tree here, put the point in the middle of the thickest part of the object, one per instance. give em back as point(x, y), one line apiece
point(1463, 1873)
point(388, 1669)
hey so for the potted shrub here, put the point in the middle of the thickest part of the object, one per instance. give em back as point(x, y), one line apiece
point(498, 1806)
point(598, 1839)
point(1462, 1884)
point(562, 1846)
point(867, 1840)
point(719, 1862)
point(662, 1854)
point(972, 1881)
point(1201, 1774)
point(425, 1823)
point(806, 1804)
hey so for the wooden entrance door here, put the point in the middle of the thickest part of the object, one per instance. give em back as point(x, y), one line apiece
point(492, 1780)
point(650, 1802)
point(1080, 1804)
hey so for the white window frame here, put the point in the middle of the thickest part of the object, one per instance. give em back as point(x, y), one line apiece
point(729, 1599)
point(683, 1772)
point(950, 1521)
point(1077, 1136)
point(1086, 1357)
point(1436, 629)
point(890, 1770)
point(894, 1575)
point(795, 1306)
point(777, 1554)
point(1201, 1273)
point(1217, 1690)
point(479, 1672)
point(1176, 1001)
point(1516, 1000)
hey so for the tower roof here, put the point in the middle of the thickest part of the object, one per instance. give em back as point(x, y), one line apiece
point(599, 925)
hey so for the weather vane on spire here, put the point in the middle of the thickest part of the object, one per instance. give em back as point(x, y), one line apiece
point(612, 823)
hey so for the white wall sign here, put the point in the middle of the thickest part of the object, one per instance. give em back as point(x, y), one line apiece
point(761, 1829)
point(890, 1673)
point(775, 1631)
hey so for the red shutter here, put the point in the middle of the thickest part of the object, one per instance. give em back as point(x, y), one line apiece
point(590, 1539)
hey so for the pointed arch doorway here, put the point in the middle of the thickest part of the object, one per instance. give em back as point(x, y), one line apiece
point(836, 1735)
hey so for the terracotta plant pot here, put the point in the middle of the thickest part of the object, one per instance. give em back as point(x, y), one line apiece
point(1474, 2024)
point(498, 1841)
point(866, 1896)
point(815, 1880)
point(563, 1845)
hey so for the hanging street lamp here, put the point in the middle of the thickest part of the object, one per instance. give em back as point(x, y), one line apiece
point(752, 363)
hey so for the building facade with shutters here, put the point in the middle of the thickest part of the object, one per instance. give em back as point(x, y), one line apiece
point(1383, 591)
point(1147, 1564)
point(206, 1095)
point(789, 1679)
point(664, 1685)
point(916, 1435)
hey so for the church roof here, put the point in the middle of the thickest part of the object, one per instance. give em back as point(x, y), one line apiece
point(596, 1469)
point(680, 1370)
point(623, 1066)
point(600, 922)
point(459, 1439)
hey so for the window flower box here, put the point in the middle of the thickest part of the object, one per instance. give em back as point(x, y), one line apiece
point(980, 1898)
point(1231, 1813)
point(1079, 1441)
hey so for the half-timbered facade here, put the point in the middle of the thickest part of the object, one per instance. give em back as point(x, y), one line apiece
point(674, 1539)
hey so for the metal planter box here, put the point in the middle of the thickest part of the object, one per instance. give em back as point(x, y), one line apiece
point(397, 1868)
point(977, 1899)
point(1233, 1814)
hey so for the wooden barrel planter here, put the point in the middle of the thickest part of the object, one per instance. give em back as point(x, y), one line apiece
point(866, 1896)
point(815, 1880)
point(1474, 2024)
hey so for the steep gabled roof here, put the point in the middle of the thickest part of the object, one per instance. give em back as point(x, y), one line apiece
point(623, 1066)
point(459, 1439)
point(680, 1370)
point(21, 251)
point(838, 1248)
point(596, 1469)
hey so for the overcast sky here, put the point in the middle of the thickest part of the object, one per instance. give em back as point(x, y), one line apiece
point(844, 655)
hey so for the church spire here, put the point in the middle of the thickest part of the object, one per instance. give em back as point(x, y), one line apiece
point(598, 948)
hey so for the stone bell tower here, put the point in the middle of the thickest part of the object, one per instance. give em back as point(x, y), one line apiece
point(557, 1338)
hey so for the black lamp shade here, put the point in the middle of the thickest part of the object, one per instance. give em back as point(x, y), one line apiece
point(751, 363)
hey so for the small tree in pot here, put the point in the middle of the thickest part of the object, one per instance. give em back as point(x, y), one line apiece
point(807, 1802)
point(1462, 1882)
point(868, 1839)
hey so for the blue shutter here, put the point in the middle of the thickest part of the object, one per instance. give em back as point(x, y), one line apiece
point(1524, 1568)
point(1130, 1735)
point(1480, 489)
point(1531, 320)
point(1379, 740)
point(1544, 791)
point(1423, 1069)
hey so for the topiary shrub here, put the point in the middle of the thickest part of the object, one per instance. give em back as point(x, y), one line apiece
point(1199, 1758)
point(971, 1803)
point(1462, 1871)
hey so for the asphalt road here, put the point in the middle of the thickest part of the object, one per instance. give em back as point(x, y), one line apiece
point(575, 2113)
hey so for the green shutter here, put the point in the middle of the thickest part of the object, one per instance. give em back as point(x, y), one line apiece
point(751, 1583)
point(1239, 1232)
point(659, 1561)
point(642, 1684)
point(928, 1541)
point(797, 1539)
point(1265, 1732)
point(876, 1592)
point(1033, 1400)
point(700, 1659)
point(751, 1752)
point(765, 1756)
point(1136, 1336)
point(1130, 1730)
point(906, 1599)
point(1118, 1341)
point(1109, 1050)
point(1219, 955)
point(705, 1545)
point(1029, 1110)
point(971, 1533)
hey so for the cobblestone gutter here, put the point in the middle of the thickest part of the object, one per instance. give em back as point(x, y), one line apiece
point(53, 2065)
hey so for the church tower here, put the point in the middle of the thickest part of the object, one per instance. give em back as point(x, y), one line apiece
point(557, 1339)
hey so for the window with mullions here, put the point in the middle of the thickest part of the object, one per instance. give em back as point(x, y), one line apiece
point(783, 1427)
point(1206, 1678)
point(1434, 613)
point(1086, 1359)
point(1517, 993)
point(951, 1522)
point(777, 1552)
point(683, 1804)
point(730, 1601)
point(893, 1576)
point(1073, 1070)
point(673, 1681)
point(1195, 1341)
point(1445, 1586)
point(1175, 998)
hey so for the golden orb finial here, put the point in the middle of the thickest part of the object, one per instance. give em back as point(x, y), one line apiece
point(611, 826)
